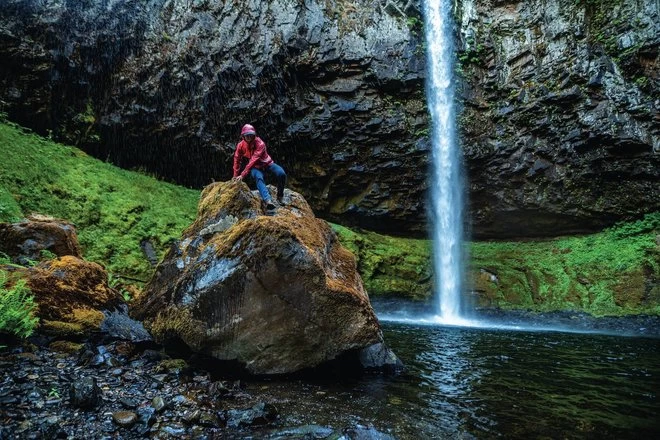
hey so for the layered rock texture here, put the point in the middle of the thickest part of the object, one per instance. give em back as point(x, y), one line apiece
point(559, 126)
point(275, 293)
point(334, 88)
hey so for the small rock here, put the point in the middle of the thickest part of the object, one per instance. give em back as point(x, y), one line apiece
point(209, 420)
point(173, 429)
point(366, 433)
point(85, 393)
point(192, 416)
point(124, 419)
point(158, 403)
point(146, 415)
point(260, 414)
point(180, 399)
point(129, 403)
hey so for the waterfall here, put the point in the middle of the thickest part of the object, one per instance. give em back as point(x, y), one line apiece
point(446, 192)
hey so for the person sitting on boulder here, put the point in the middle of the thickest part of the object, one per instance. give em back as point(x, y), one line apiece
point(254, 149)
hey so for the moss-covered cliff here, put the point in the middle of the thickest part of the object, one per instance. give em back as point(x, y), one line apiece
point(123, 218)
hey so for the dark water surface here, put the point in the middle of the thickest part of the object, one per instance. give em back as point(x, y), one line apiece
point(480, 383)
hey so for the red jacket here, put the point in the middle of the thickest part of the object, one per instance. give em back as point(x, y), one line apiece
point(255, 152)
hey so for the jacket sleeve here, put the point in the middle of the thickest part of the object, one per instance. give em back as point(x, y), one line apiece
point(237, 159)
point(259, 150)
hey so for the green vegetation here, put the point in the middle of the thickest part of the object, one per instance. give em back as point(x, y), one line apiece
point(9, 209)
point(473, 54)
point(415, 24)
point(114, 210)
point(17, 308)
point(389, 265)
point(614, 272)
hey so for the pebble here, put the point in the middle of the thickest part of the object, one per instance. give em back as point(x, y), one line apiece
point(158, 403)
point(117, 403)
point(125, 419)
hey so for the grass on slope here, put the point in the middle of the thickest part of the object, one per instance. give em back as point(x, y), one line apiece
point(114, 210)
point(390, 266)
point(613, 272)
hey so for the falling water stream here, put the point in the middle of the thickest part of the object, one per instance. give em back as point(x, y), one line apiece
point(447, 201)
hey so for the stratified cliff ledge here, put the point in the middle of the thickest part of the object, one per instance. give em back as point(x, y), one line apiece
point(559, 128)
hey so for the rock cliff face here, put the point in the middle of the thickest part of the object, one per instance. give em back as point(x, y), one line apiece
point(559, 126)
point(335, 88)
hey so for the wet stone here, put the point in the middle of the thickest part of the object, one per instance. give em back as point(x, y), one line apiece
point(181, 400)
point(260, 414)
point(146, 416)
point(192, 416)
point(125, 419)
point(85, 393)
point(129, 403)
point(173, 429)
point(158, 403)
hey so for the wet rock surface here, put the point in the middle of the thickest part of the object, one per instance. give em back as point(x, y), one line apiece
point(24, 241)
point(560, 123)
point(134, 398)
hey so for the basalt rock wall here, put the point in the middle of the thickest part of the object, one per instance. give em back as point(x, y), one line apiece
point(560, 119)
point(559, 100)
point(335, 88)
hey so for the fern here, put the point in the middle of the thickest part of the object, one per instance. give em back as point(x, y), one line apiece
point(17, 308)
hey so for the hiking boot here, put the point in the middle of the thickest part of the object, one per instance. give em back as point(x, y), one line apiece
point(270, 206)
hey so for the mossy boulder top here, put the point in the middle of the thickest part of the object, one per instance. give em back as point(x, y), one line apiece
point(25, 240)
point(276, 293)
point(71, 294)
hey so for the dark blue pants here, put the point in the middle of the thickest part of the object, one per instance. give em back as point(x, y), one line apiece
point(280, 177)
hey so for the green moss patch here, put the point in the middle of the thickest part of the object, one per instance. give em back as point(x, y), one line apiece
point(114, 210)
point(9, 210)
point(614, 272)
point(390, 266)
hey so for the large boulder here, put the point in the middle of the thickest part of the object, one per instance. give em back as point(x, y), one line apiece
point(25, 241)
point(276, 293)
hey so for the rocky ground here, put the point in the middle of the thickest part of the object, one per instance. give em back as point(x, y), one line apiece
point(122, 390)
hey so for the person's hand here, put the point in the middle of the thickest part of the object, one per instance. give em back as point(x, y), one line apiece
point(237, 179)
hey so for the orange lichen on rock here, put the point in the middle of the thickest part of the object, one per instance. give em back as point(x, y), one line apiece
point(65, 346)
point(175, 322)
point(70, 293)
